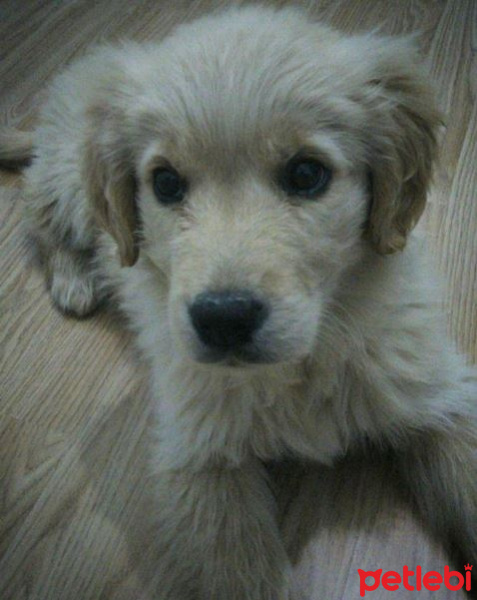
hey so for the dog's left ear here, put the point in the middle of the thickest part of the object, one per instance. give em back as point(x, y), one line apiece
point(110, 181)
point(400, 141)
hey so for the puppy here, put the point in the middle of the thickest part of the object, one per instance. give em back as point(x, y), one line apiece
point(247, 189)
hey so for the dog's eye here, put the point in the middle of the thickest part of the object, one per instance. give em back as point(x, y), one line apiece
point(169, 187)
point(305, 177)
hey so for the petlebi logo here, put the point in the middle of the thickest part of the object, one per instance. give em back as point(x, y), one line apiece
point(414, 580)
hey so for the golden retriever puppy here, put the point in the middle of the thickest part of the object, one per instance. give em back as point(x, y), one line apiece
point(247, 189)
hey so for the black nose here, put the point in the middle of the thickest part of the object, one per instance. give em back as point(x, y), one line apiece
point(227, 320)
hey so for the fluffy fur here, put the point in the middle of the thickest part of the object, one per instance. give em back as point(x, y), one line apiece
point(354, 349)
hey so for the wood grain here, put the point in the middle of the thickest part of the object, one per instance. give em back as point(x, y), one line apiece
point(74, 494)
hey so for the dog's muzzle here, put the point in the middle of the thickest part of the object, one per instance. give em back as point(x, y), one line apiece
point(226, 322)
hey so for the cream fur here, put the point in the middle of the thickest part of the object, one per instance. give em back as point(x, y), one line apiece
point(355, 348)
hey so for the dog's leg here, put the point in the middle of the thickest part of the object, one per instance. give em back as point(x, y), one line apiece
point(72, 281)
point(64, 233)
point(441, 469)
point(58, 218)
point(70, 271)
point(217, 536)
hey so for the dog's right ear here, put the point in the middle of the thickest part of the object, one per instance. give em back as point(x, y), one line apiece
point(400, 136)
point(110, 182)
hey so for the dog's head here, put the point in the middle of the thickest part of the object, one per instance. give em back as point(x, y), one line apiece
point(251, 158)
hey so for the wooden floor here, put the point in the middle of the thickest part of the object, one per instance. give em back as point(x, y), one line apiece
point(74, 493)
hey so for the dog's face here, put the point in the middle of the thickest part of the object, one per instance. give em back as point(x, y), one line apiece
point(252, 237)
point(257, 162)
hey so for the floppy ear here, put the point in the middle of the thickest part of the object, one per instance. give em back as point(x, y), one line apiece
point(110, 182)
point(401, 141)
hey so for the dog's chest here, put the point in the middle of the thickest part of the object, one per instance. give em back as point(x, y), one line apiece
point(292, 426)
point(229, 423)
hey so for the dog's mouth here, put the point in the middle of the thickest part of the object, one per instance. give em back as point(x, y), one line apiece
point(240, 357)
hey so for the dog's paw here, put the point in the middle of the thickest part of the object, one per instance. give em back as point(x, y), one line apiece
point(74, 295)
